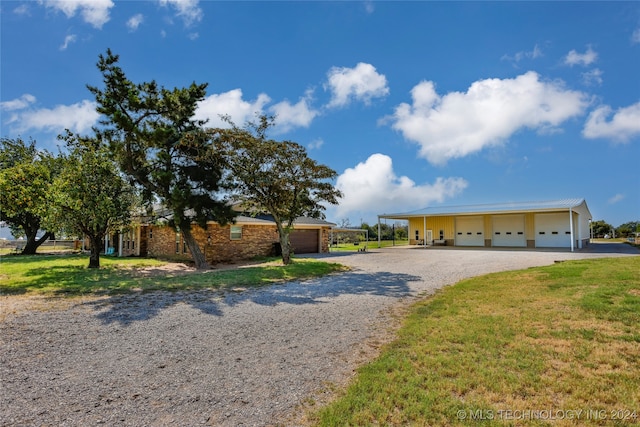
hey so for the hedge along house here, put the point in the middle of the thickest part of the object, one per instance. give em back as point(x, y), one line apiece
point(550, 224)
point(247, 238)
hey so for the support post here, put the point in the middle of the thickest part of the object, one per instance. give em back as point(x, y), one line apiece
point(571, 226)
point(424, 231)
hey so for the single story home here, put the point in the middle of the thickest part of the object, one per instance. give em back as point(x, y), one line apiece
point(247, 238)
point(549, 224)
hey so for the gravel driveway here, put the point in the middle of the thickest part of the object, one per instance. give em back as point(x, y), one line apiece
point(251, 358)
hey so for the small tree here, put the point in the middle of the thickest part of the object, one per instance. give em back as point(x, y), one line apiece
point(90, 197)
point(600, 228)
point(25, 185)
point(274, 177)
point(373, 230)
point(156, 142)
point(628, 229)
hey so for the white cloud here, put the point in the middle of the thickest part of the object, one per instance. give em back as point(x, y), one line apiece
point(94, 12)
point(315, 144)
point(624, 125)
point(373, 187)
point(584, 59)
point(134, 22)
point(290, 116)
point(519, 56)
point(188, 10)
point(361, 83)
point(369, 7)
point(23, 9)
point(78, 117)
point(635, 36)
point(592, 77)
point(231, 104)
point(615, 199)
point(458, 124)
point(71, 38)
point(19, 103)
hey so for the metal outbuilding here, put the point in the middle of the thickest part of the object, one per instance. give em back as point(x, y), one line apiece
point(561, 223)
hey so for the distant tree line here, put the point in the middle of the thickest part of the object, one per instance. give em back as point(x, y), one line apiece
point(601, 229)
point(397, 231)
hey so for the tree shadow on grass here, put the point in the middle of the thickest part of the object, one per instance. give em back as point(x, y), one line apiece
point(128, 309)
point(69, 280)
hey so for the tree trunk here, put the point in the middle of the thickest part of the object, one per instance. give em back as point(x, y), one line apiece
point(32, 244)
point(196, 253)
point(285, 245)
point(94, 258)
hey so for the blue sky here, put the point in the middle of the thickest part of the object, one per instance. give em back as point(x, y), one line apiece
point(414, 104)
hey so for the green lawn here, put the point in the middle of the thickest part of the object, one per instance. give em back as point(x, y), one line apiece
point(69, 275)
point(557, 344)
point(370, 245)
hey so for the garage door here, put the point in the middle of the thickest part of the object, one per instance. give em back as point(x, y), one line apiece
point(470, 231)
point(304, 241)
point(552, 230)
point(508, 230)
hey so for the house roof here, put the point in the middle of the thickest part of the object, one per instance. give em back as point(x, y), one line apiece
point(303, 220)
point(242, 219)
point(162, 214)
point(300, 221)
point(496, 208)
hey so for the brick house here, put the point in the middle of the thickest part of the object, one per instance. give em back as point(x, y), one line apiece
point(247, 238)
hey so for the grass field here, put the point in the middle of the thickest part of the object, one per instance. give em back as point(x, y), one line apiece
point(68, 275)
point(369, 245)
point(557, 344)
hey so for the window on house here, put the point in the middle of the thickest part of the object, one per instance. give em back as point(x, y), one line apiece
point(417, 234)
point(236, 232)
point(441, 234)
point(150, 233)
point(178, 242)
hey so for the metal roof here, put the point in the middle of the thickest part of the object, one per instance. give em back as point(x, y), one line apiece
point(509, 207)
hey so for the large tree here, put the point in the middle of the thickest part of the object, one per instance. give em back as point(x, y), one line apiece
point(274, 177)
point(628, 229)
point(26, 174)
point(90, 196)
point(601, 228)
point(153, 135)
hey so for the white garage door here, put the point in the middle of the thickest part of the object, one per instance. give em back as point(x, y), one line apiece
point(470, 231)
point(553, 231)
point(508, 230)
